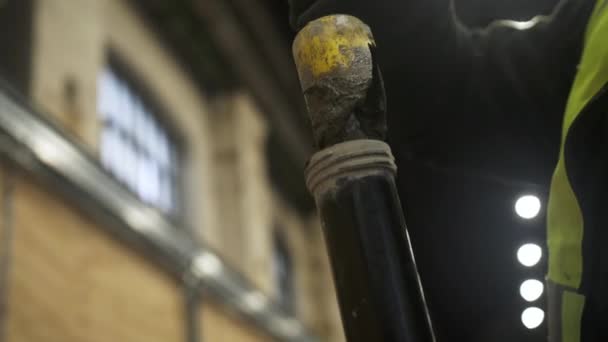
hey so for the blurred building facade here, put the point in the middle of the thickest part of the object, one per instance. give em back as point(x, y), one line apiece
point(152, 177)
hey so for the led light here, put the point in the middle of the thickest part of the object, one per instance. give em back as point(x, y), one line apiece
point(529, 254)
point(532, 318)
point(531, 289)
point(527, 207)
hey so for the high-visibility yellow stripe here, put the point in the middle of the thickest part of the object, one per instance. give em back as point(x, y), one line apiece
point(565, 221)
point(572, 311)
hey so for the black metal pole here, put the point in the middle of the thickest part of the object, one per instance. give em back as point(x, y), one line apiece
point(352, 180)
point(378, 287)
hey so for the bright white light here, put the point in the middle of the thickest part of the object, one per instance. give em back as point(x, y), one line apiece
point(521, 25)
point(142, 220)
point(529, 254)
point(47, 152)
point(524, 25)
point(207, 265)
point(531, 289)
point(254, 301)
point(532, 318)
point(527, 207)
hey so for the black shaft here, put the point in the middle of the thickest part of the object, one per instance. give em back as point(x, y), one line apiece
point(352, 180)
point(375, 274)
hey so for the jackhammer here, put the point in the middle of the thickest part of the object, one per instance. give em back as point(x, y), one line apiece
point(352, 178)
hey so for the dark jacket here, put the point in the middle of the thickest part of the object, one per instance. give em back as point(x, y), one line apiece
point(466, 94)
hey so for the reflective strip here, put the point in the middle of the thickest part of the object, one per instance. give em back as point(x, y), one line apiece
point(565, 311)
point(554, 309)
point(554, 317)
point(598, 12)
point(564, 217)
point(572, 313)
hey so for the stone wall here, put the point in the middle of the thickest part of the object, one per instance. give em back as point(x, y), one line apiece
point(68, 274)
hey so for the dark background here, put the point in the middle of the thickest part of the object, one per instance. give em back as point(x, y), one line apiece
point(463, 225)
point(466, 234)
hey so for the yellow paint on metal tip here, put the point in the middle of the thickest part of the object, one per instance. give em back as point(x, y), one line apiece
point(329, 42)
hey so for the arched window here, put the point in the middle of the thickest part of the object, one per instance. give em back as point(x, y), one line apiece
point(135, 146)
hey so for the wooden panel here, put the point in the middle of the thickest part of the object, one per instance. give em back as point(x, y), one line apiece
point(71, 282)
point(218, 325)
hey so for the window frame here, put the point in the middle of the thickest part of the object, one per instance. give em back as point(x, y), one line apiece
point(139, 89)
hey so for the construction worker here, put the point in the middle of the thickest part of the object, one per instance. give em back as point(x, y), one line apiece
point(539, 87)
